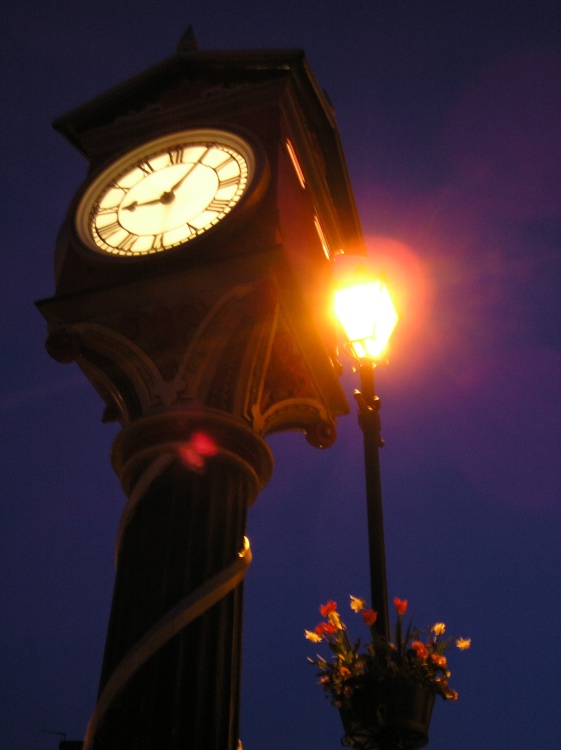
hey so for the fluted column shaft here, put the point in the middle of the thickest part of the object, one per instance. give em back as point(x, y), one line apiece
point(187, 526)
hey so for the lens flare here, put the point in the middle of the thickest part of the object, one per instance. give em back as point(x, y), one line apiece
point(195, 452)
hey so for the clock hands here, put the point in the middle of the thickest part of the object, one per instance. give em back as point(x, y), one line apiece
point(168, 196)
point(165, 192)
point(180, 182)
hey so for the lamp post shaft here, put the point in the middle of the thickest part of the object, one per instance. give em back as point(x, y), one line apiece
point(369, 420)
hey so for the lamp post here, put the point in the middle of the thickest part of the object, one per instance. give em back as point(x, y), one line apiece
point(368, 317)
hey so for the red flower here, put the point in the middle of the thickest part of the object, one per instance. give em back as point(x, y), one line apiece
point(325, 628)
point(400, 605)
point(369, 616)
point(325, 609)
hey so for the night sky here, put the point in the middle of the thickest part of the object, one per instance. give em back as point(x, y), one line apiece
point(449, 114)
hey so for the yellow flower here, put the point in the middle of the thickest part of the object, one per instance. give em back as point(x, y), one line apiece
point(463, 643)
point(311, 636)
point(335, 620)
point(357, 605)
point(439, 628)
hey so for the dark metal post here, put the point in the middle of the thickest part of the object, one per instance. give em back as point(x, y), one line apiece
point(369, 421)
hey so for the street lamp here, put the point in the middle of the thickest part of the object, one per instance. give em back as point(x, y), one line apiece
point(368, 317)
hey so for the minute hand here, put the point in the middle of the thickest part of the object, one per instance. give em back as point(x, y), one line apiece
point(180, 182)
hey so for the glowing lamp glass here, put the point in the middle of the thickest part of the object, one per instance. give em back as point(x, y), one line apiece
point(368, 317)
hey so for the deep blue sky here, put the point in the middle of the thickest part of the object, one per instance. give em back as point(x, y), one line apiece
point(449, 114)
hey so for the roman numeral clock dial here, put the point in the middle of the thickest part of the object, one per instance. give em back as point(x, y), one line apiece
point(166, 193)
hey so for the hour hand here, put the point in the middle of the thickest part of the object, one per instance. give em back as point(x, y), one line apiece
point(135, 204)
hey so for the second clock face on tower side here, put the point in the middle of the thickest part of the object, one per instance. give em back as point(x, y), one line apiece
point(165, 193)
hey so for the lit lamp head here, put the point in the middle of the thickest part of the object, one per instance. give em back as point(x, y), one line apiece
point(368, 317)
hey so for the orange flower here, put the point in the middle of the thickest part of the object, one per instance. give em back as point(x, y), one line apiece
point(344, 672)
point(420, 650)
point(439, 660)
point(369, 616)
point(325, 609)
point(400, 605)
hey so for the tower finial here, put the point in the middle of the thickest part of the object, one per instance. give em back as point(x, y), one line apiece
point(188, 42)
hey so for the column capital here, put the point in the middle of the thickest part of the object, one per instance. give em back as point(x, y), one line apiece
point(241, 350)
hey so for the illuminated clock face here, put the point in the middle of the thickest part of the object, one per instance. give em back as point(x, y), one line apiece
point(166, 193)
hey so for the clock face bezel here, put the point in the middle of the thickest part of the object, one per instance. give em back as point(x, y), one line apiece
point(150, 173)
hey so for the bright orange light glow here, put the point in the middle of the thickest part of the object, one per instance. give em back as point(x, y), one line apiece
point(410, 279)
point(295, 163)
point(368, 316)
point(322, 239)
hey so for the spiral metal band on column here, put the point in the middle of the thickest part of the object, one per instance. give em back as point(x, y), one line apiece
point(177, 618)
point(142, 453)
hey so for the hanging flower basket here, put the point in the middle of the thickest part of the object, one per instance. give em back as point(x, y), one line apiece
point(385, 690)
point(387, 714)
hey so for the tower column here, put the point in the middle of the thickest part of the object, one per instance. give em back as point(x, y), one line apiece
point(198, 367)
point(171, 670)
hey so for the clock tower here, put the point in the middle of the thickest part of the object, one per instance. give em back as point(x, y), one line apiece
point(193, 287)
